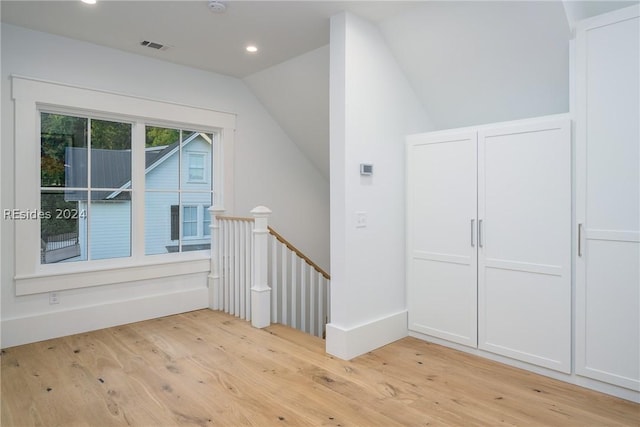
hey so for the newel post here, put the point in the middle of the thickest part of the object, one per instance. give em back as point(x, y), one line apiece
point(215, 290)
point(260, 290)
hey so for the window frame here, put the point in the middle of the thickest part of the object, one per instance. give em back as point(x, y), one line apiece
point(195, 221)
point(205, 172)
point(31, 96)
point(206, 229)
point(89, 187)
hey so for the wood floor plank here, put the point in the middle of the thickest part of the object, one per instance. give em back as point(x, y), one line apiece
point(206, 368)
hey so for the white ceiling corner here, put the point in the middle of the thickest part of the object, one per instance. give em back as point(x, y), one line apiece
point(469, 62)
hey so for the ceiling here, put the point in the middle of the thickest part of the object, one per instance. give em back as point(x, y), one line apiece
point(468, 62)
point(194, 35)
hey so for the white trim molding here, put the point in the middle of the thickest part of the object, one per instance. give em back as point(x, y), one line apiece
point(39, 327)
point(348, 343)
point(32, 95)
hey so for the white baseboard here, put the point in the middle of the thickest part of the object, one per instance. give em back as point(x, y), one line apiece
point(352, 342)
point(24, 330)
point(623, 393)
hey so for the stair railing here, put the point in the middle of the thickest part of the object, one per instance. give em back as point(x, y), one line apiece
point(259, 276)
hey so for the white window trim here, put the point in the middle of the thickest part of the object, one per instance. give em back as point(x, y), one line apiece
point(30, 95)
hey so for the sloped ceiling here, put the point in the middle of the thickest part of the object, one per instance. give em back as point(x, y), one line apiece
point(194, 35)
point(296, 93)
point(468, 61)
point(483, 62)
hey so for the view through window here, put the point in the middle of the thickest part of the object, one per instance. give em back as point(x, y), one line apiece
point(86, 189)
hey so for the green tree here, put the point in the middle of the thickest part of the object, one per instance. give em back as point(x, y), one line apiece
point(109, 135)
point(57, 132)
point(158, 137)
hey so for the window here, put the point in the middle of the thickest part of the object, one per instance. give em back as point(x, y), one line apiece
point(196, 167)
point(173, 199)
point(206, 222)
point(111, 169)
point(195, 223)
point(86, 214)
point(190, 221)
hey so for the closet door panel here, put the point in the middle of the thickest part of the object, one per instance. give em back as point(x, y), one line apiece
point(608, 198)
point(523, 315)
point(611, 314)
point(442, 266)
point(524, 274)
point(612, 122)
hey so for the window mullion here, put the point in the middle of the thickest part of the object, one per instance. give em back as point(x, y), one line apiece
point(138, 166)
point(180, 209)
point(89, 184)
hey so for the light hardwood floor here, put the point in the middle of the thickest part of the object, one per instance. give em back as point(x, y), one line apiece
point(205, 368)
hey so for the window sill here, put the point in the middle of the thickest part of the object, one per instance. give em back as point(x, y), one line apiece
point(99, 275)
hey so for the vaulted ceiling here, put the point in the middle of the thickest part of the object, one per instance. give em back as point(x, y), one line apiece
point(468, 62)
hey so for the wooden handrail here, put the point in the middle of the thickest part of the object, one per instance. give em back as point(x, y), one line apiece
point(281, 239)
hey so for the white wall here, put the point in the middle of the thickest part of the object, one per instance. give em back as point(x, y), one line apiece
point(296, 93)
point(579, 10)
point(477, 62)
point(372, 109)
point(269, 170)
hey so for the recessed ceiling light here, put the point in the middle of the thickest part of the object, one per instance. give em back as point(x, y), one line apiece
point(251, 48)
point(217, 6)
point(89, 1)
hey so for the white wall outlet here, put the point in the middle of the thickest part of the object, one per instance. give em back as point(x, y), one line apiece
point(53, 298)
point(361, 219)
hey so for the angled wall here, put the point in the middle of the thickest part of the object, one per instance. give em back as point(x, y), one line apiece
point(372, 108)
point(477, 62)
point(269, 170)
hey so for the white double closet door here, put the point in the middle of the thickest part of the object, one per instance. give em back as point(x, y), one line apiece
point(489, 239)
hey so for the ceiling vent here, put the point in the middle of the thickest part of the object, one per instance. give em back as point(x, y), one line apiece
point(153, 45)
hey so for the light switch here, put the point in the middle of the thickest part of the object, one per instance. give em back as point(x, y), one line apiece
point(361, 219)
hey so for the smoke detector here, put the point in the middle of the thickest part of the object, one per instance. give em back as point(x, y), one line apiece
point(216, 6)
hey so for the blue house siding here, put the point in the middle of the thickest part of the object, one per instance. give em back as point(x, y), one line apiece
point(110, 228)
point(164, 176)
point(157, 221)
point(109, 221)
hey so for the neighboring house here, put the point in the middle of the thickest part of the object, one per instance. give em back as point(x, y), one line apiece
point(177, 196)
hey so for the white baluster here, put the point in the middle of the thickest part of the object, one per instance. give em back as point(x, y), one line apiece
point(321, 300)
point(274, 280)
point(313, 290)
point(327, 310)
point(227, 262)
point(260, 290)
point(241, 263)
point(284, 287)
point(215, 303)
point(304, 272)
point(236, 267)
point(232, 265)
point(247, 269)
point(294, 294)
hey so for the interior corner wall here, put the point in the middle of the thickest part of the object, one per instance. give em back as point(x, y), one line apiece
point(372, 109)
point(269, 170)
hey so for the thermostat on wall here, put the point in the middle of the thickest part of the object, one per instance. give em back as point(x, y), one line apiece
point(366, 169)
